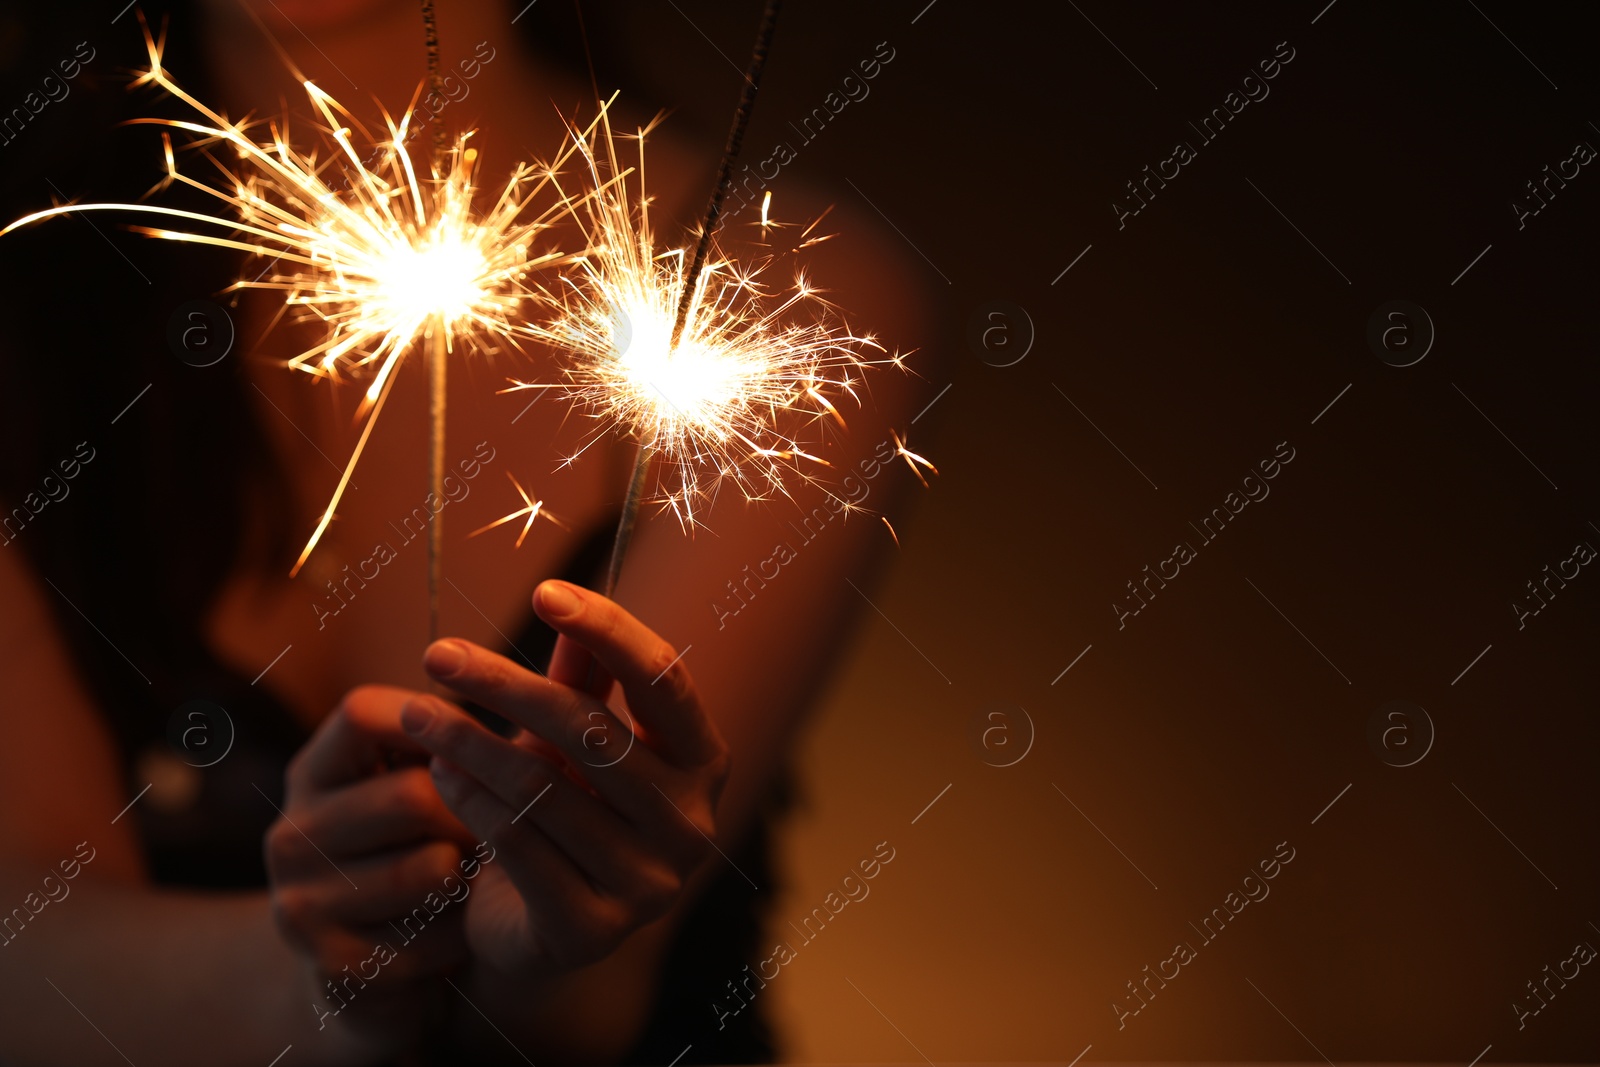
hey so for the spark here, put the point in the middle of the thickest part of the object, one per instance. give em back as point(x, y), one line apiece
point(752, 370)
point(380, 256)
point(913, 460)
point(531, 508)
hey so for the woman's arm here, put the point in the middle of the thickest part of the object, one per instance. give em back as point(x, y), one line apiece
point(759, 607)
point(108, 966)
point(98, 966)
point(118, 969)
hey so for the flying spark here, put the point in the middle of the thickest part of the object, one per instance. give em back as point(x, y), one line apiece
point(381, 256)
point(730, 400)
point(531, 508)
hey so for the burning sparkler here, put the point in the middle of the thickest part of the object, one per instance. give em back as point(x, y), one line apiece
point(728, 401)
point(689, 352)
point(385, 258)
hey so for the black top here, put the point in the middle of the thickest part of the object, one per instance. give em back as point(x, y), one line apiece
point(203, 828)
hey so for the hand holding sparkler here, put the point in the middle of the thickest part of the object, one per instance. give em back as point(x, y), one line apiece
point(391, 828)
point(617, 838)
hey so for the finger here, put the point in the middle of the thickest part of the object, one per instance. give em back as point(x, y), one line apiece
point(572, 664)
point(392, 886)
point(651, 672)
point(591, 835)
point(569, 924)
point(386, 957)
point(585, 731)
point(354, 741)
point(378, 814)
point(543, 876)
point(421, 950)
point(363, 893)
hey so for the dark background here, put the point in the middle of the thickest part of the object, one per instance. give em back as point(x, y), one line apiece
point(1215, 724)
point(1196, 339)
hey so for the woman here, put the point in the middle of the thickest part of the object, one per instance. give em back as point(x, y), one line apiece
point(433, 886)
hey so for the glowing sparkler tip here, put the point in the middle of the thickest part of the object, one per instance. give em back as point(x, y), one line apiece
point(357, 241)
point(725, 401)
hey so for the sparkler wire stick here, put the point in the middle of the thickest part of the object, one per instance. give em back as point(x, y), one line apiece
point(438, 349)
point(630, 515)
point(364, 246)
point(430, 31)
point(708, 228)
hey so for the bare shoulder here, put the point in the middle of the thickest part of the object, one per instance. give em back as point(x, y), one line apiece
point(865, 271)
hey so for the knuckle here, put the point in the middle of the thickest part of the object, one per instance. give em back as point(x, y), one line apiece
point(292, 912)
point(457, 732)
point(700, 811)
point(415, 872)
point(701, 842)
point(414, 795)
point(670, 671)
point(294, 771)
point(659, 889)
point(281, 846)
point(612, 925)
point(699, 849)
point(599, 934)
point(572, 706)
point(447, 733)
point(662, 661)
point(493, 673)
point(592, 729)
point(605, 621)
point(532, 780)
point(718, 765)
point(437, 861)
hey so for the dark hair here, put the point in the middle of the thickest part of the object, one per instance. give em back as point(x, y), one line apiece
point(155, 521)
point(150, 525)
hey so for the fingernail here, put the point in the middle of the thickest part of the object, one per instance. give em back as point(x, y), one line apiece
point(416, 716)
point(445, 658)
point(558, 600)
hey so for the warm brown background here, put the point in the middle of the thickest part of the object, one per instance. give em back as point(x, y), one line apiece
point(1197, 338)
point(1217, 724)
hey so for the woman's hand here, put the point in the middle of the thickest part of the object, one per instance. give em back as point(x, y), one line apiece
point(599, 812)
point(362, 841)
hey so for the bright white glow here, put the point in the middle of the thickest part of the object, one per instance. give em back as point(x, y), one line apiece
point(755, 373)
point(443, 278)
point(690, 385)
point(356, 238)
